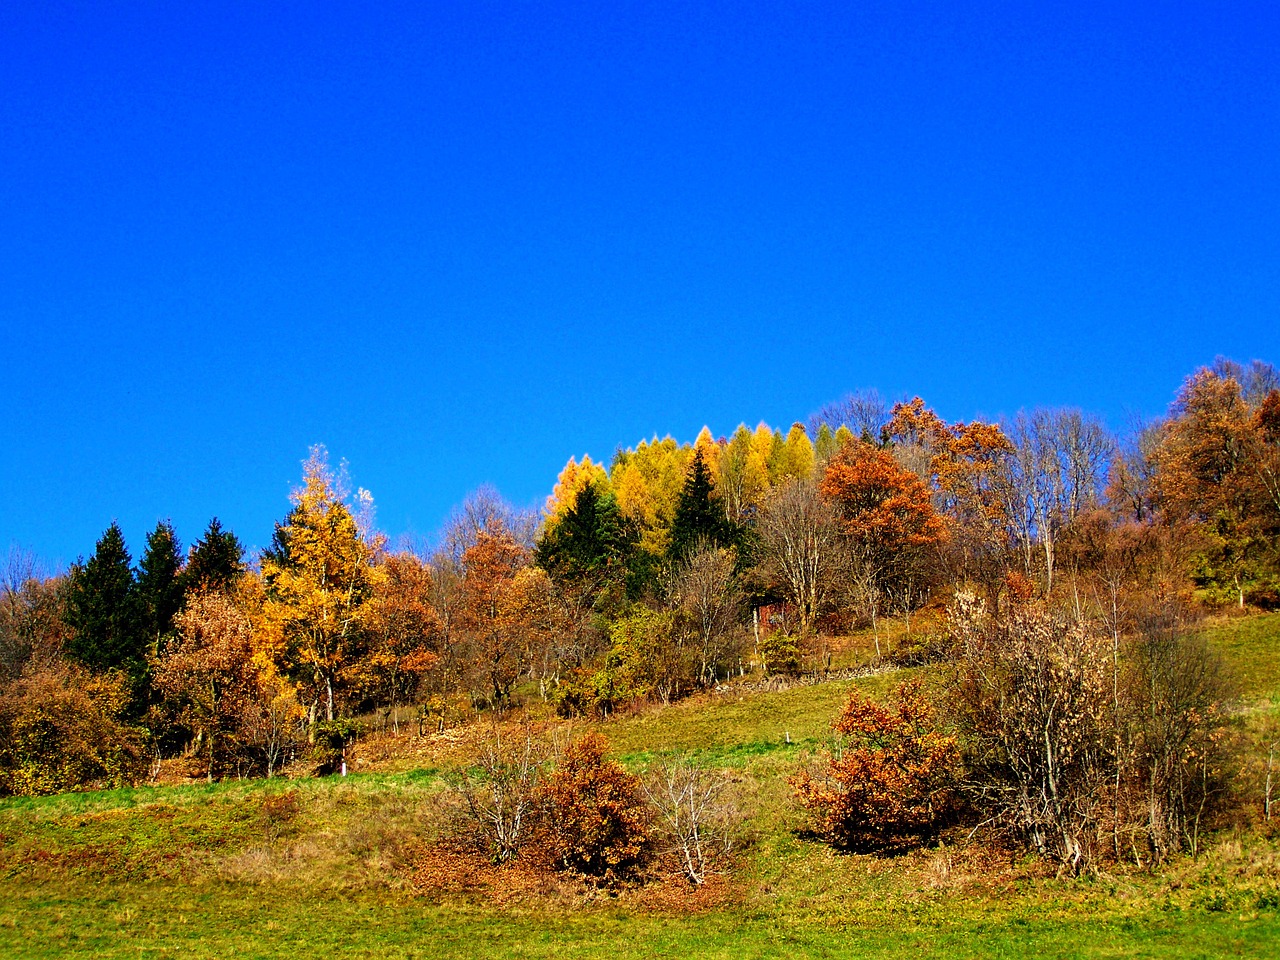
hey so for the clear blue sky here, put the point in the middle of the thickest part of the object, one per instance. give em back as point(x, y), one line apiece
point(458, 242)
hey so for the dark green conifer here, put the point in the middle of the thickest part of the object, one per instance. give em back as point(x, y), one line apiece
point(699, 516)
point(104, 613)
point(592, 541)
point(216, 561)
point(159, 585)
point(278, 552)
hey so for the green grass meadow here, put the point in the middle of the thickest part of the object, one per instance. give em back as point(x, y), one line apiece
point(326, 867)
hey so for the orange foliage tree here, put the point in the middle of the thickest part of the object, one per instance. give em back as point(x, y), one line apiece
point(208, 669)
point(888, 520)
point(227, 690)
point(882, 506)
point(403, 633)
point(967, 464)
point(490, 615)
point(972, 474)
point(1218, 466)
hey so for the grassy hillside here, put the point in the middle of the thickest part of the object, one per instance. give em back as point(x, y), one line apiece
point(336, 865)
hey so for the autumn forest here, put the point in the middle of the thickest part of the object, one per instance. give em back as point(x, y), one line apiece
point(1052, 569)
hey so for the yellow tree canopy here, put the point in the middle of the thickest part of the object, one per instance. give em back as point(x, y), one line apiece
point(318, 579)
point(756, 482)
point(732, 483)
point(572, 479)
point(710, 450)
point(797, 455)
point(647, 482)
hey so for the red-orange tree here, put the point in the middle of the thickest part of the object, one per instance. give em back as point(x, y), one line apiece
point(880, 504)
point(893, 778)
point(973, 476)
point(490, 614)
point(403, 634)
point(1216, 470)
point(886, 515)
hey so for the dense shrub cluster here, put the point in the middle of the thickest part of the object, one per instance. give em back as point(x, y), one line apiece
point(1081, 745)
point(594, 821)
point(892, 777)
point(60, 729)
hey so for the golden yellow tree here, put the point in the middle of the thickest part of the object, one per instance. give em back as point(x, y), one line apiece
point(572, 479)
point(647, 482)
point(797, 456)
point(319, 576)
point(706, 444)
point(757, 482)
point(732, 480)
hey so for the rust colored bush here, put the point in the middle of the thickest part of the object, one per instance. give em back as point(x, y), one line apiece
point(595, 821)
point(892, 777)
point(61, 729)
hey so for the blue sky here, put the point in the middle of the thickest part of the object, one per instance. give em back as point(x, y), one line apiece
point(458, 242)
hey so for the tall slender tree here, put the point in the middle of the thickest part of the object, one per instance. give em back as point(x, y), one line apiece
point(319, 578)
point(159, 584)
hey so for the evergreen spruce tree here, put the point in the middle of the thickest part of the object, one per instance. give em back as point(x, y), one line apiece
point(104, 613)
point(159, 585)
point(592, 542)
point(699, 516)
point(278, 553)
point(216, 560)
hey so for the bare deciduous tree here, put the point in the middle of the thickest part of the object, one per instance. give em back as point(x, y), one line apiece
point(695, 814)
point(482, 510)
point(1178, 716)
point(498, 795)
point(864, 412)
point(1033, 700)
point(801, 549)
point(703, 587)
point(1056, 472)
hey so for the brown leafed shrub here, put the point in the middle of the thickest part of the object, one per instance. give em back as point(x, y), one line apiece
point(61, 729)
point(594, 819)
point(892, 777)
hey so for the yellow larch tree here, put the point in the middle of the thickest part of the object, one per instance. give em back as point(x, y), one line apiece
point(732, 481)
point(572, 479)
point(797, 455)
point(757, 482)
point(647, 482)
point(319, 576)
point(706, 444)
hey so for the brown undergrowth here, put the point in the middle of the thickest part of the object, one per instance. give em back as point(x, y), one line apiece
point(448, 869)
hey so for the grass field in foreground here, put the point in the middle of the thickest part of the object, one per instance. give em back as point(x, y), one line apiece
point(286, 868)
point(148, 920)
